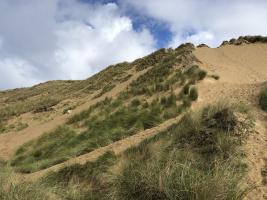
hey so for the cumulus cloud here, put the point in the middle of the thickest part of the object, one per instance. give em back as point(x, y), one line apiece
point(16, 73)
point(56, 39)
point(209, 21)
point(73, 39)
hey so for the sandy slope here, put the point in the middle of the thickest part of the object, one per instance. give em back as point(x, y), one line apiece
point(243, 72)
point(236, 64)
point(9, 142)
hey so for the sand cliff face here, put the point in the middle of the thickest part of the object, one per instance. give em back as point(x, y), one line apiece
point(243, 73)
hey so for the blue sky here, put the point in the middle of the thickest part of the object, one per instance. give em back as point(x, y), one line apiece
point(73, 39)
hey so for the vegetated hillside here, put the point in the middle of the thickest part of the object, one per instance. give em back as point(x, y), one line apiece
point(184, 123)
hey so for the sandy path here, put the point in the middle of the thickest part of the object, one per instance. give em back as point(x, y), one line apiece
point(9, 142)
point(116, 147)
point(243, 72)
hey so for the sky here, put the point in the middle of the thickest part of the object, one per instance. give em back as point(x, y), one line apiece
point(74, 39)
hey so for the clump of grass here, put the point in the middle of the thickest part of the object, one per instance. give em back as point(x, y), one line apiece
point(186, 89)
point(195, 73)
point(177, 177)
point(2, 127)
point(20, 190)
point(21, 126)
point(87, 181)
point(105, 89)
point(214, 76)
point(263, 99)
point(86, 113)
point(135, 102)
point(193, 94)
point(202, 74)
point(45, 104)
point(187, 102)
point(37, 154)
point(169, 101)
point(84, 172)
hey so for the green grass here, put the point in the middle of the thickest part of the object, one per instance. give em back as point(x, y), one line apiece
point(83, 172)
point(149, 60)
point(162, 76)
point(196, 160)
point(37, 154)
point(18, 108)
point(199, 157)
point(106, 126)
point(263, 99)
point(193, 94)
point(20, 190)
point(90, 174)
point(105, 89)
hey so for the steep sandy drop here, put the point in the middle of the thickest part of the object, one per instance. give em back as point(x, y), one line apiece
point(243, 72)
point(236, 64)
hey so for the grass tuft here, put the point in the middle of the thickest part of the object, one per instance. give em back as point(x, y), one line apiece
point(263, 99)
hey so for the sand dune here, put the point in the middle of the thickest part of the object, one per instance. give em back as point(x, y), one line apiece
point(236, 64)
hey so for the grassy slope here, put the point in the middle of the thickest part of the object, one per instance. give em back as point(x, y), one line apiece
point(112, 120)
point(45, 96)
point(197, 158)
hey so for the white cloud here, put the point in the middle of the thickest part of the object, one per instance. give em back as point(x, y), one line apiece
point(56, 39)
point(16, 73)
point(109, 38)
point(209, 21)
point(66, 39)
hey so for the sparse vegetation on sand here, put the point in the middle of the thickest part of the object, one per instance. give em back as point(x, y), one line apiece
point(109, 124)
